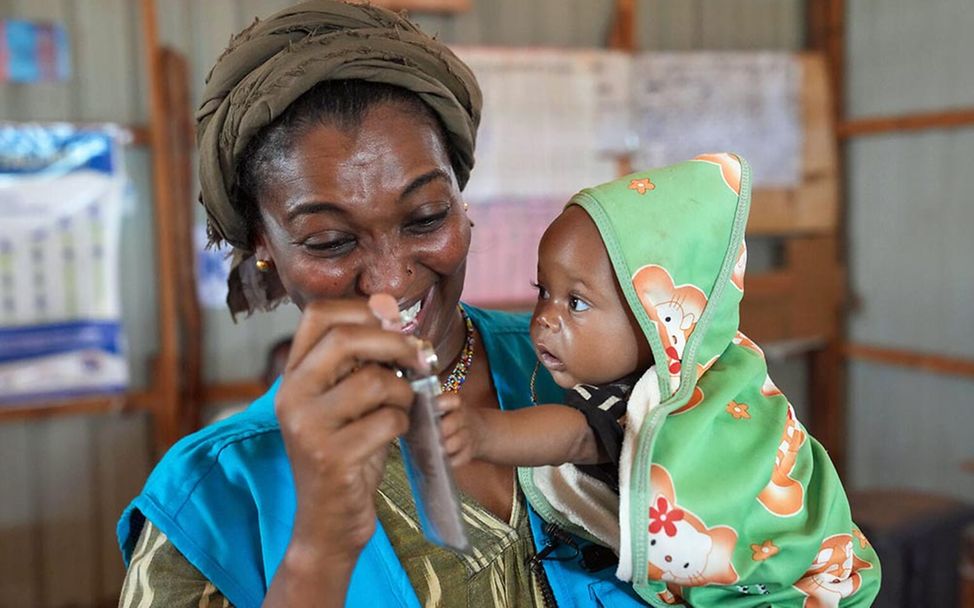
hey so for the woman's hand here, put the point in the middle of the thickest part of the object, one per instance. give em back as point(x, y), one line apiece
point(339, 407)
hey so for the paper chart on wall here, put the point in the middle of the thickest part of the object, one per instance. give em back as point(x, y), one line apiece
point(545, 120)
point(61, 198)
point(555, 121)
point(552, 120)
point(685, 104)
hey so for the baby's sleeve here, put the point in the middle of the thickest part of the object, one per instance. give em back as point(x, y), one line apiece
point(604, 408)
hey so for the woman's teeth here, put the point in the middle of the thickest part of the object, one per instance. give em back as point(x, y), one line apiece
point(408, 315)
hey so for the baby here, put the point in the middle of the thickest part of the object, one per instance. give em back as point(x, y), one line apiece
point(674, 448)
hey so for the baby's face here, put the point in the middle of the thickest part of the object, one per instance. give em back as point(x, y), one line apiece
point(582, 330)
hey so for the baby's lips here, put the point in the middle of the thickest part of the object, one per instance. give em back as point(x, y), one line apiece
point(386, 309)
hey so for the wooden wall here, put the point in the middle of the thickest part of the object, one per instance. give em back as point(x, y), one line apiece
point(64, 481)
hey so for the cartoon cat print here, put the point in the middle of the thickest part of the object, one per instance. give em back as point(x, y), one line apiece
point(683, 551)
point(784, 496)
point(834, 575)
point(674, 310)
point(730, 168)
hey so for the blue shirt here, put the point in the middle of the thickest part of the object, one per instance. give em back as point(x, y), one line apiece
point(224, 496)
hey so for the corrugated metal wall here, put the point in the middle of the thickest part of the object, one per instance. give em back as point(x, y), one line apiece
point(52, 522)
point(63, 481)
point(911, 217)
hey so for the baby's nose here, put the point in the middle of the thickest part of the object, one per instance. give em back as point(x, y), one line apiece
point(545, 322)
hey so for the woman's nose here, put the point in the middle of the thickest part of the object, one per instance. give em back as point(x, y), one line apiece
point(389, 274)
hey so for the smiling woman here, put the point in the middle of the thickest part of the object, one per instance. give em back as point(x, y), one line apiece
point(335, 140)
point(352, 192)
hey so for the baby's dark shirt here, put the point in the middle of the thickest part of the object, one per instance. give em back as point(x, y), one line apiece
point(604, 407)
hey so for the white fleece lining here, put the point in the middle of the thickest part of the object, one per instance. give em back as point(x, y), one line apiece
point(644, 397)
point(582, 499)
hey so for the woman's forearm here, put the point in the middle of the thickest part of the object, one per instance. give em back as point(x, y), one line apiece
point(537, 436)
point(307, 578)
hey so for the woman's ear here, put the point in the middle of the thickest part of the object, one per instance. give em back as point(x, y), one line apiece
point(261, 250)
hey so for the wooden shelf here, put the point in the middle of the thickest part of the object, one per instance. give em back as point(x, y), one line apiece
point(931, 362)
point(917, 121)
point(94, 404)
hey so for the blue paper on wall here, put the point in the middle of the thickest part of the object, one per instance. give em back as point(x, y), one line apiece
point(61, 199)
point(33, 51)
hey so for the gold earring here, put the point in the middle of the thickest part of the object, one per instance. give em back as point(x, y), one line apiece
point(466, 206)
point(263, 265)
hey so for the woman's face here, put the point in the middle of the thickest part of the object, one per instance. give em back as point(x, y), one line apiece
point(375, 209)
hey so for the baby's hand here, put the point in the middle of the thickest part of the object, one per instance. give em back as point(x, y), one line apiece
point(460, 429)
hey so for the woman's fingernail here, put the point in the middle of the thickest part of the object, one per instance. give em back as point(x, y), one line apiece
point(385, 308)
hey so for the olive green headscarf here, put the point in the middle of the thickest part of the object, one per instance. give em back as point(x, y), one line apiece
point(273, 62)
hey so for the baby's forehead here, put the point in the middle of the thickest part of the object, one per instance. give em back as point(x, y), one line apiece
point(572, 228)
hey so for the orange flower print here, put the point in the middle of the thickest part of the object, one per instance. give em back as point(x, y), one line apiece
point(738, 410)
point(863, 541)
point(641, 185)
point(764, 551)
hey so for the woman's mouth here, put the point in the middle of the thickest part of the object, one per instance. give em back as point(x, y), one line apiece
point(412, 315)
point(550, 361)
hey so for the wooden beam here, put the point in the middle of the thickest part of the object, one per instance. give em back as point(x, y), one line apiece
point(622, 36)
point(835, 51)
point(94, 404)
point(940, 364)
point(816, 25)
point(918, 121)
point(140, 135)
point(180, 146)
point(166, 376)
point(825, 20)
point(425, 6)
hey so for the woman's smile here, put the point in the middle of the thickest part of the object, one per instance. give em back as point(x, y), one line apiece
point(413, 311)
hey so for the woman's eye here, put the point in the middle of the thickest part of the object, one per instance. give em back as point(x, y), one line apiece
point(336, 247)
point(427, 223)
point(577, 305)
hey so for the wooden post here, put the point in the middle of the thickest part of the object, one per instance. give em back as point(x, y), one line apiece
point(623, 34)
point(820, 309)
point(622, 37)
point(827, 372)
point(175, 71)
point(835, 52)
point(166, 377)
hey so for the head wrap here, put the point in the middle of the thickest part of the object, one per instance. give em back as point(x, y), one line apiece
point(273, 62)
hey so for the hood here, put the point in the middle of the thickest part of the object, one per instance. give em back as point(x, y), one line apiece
point(675, 237)
point(754, 500)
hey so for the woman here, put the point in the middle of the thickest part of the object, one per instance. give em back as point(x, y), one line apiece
point(335, 140)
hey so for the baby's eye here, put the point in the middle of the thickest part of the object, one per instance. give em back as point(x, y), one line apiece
point(577, 305)
point(542, 292)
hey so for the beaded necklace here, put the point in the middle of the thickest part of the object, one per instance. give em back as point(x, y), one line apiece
point(534, 378)
point(458, 376)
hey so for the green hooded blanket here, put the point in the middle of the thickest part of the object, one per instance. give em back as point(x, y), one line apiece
point(724, 499)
